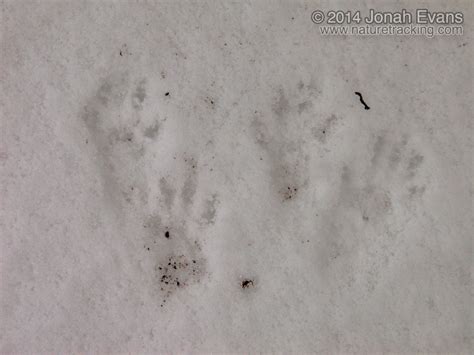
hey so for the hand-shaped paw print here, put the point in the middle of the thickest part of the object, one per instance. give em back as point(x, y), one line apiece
point(156, 202)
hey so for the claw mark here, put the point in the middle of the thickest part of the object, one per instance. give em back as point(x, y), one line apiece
point(362, 100)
